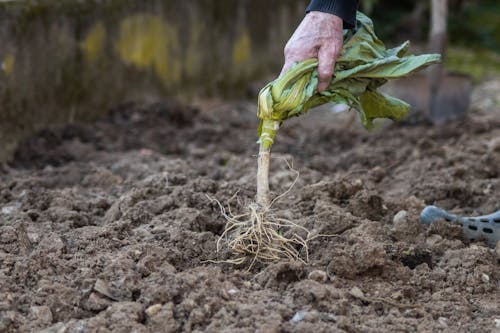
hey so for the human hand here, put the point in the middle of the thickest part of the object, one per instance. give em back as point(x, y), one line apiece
point(319, 35)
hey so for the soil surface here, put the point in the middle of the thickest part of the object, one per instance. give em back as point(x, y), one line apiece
point(109, 227)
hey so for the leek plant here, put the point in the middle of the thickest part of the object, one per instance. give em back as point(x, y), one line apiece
point(363, 66)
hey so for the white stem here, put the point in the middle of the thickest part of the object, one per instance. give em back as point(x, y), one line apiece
point(263, 177)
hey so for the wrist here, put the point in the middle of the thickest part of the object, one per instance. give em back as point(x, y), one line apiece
point(324, 15)
point(345, 9)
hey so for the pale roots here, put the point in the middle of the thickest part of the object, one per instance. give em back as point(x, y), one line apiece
point(260, 235)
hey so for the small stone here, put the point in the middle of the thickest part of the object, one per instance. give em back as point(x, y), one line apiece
point(485, 278)
point(318, 276)
point(308, 316)
point(497, 322)
point(358, 293)
point(443, 321)
point(494, 145)
point(398, 295)
point(153, 310)
point(400, 217)
point(228, 291)
point(298, 316)
point(232, 291)
point(11, 209)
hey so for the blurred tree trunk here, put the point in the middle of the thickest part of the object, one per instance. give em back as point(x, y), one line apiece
point(438, 36)
point(437, 44)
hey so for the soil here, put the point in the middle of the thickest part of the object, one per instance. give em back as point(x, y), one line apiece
point(109, 227)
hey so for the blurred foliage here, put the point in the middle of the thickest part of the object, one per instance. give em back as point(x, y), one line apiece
point(480, 64)
point(476, 23)
point(472, 23)
point(367, 6)
point(473, 31)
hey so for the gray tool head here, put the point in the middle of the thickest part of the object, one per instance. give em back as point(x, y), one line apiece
point(481, 227)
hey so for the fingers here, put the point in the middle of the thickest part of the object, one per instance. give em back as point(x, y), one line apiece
point(327, 56)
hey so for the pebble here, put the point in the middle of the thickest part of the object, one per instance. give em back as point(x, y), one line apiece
point(313, 316)
point(400, 217)
point(494, 145)
point(153, 309)
point(11, 209)
point(443, 321)
point(318, 276)
point(232, 291)
point(298, 316)
point(356, 292)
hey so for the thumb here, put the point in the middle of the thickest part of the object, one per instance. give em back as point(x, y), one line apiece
point(288, 63)
point(285, 68)
point(326, 63)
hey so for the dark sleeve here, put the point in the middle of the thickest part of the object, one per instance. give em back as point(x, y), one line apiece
point(345, 9)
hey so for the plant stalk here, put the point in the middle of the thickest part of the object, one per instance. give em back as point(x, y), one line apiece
point(263, 176)
point(266, 140)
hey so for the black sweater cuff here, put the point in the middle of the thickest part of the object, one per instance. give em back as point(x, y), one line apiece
point(345, 9)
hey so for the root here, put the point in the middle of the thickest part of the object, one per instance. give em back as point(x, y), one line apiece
point(260, 235)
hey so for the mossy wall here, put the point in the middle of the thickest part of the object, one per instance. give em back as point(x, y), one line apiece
point(64, 61)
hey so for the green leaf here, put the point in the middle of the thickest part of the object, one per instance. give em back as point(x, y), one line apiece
point(375, 104)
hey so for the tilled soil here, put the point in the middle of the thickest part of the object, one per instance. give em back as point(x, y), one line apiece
point(110, 227)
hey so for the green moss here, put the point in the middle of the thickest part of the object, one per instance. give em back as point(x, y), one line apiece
point(192, 62)
point(8, 64)
point(93, 43)
point(149, 42)
point(241, 50)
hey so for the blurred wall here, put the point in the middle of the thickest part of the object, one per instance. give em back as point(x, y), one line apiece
point(69, 60)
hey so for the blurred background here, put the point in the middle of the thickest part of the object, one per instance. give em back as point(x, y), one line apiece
point(72, 60)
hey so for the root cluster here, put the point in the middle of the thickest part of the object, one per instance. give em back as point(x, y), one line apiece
point(260, 235)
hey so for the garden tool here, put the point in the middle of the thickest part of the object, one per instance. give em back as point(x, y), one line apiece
point(438, 96)
point(449, 93)
point(481, 227)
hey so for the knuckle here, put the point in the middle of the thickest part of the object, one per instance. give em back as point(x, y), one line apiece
point(333, 51)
